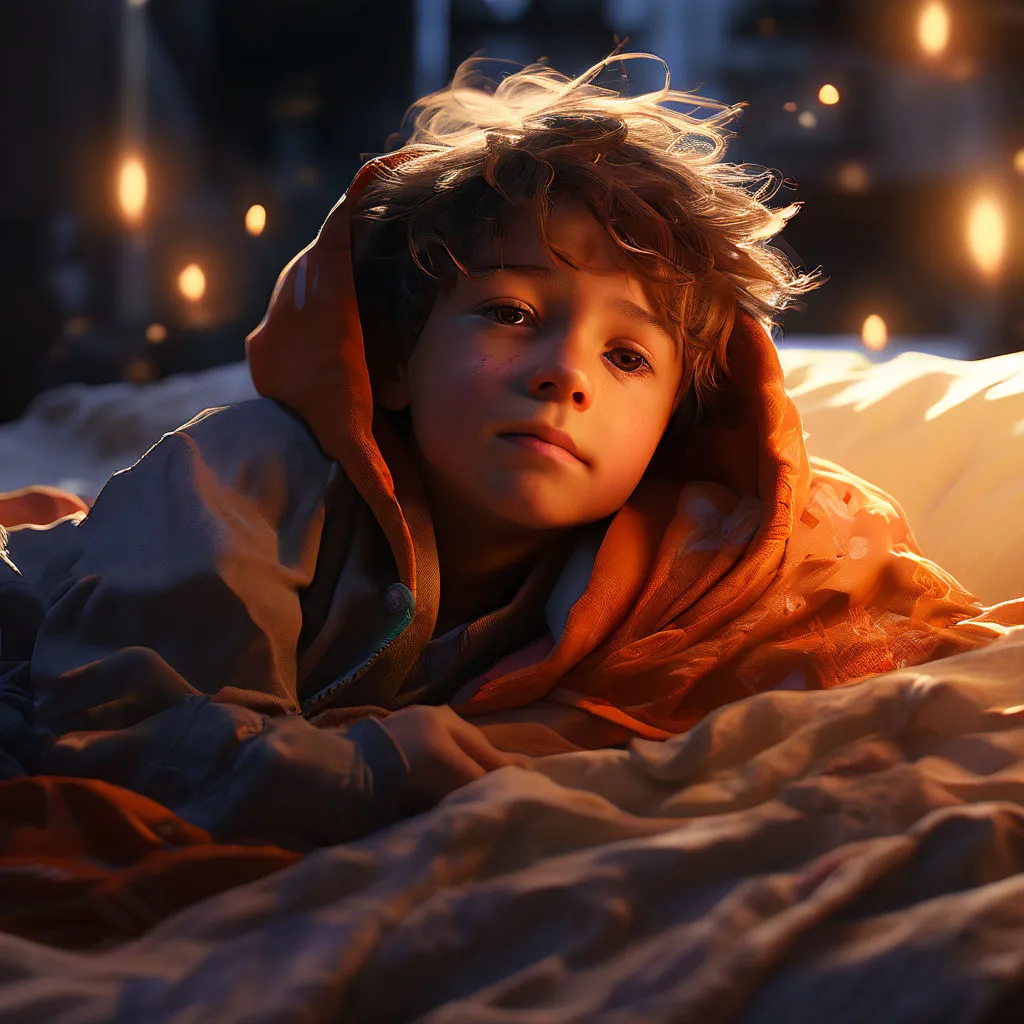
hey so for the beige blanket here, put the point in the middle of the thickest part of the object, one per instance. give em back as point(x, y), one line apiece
point(845, 855)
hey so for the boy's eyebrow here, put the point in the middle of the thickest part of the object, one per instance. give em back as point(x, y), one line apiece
point(630, 310)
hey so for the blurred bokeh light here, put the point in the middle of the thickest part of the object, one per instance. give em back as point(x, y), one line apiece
point(132, 188)
point(933, 28)
point(255, 220)
point(874, 333)
point(156, 334)
point(986, 235)
point(192, 282)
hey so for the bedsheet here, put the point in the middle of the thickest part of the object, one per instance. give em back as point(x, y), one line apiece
point(844, 855)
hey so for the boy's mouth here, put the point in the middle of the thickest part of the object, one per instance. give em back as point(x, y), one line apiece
point(550, 434)
point(546, 441)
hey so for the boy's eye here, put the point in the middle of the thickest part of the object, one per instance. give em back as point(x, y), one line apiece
point(508, 315)
point(511, 314)
point(639, 362)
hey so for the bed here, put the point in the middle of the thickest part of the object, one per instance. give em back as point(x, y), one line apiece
point(845, 855)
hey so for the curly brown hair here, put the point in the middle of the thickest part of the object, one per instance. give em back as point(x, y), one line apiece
point(694, 228)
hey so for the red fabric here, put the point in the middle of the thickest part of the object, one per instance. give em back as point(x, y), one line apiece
point(38, 506)
point(84, 863)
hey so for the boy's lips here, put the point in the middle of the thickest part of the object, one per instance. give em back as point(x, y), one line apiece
point(549, 435)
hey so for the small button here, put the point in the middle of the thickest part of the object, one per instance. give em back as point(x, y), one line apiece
point(395, 599)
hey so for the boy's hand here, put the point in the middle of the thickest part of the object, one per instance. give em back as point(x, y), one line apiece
point(444, 752)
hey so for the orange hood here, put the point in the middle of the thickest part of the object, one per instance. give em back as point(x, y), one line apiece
point(744, 567)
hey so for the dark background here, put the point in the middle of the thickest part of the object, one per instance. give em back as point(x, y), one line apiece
point(276, 102)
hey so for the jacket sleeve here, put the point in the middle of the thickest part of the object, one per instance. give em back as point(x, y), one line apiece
point(166, 660)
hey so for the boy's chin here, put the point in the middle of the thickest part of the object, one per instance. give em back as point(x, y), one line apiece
point(523, 516)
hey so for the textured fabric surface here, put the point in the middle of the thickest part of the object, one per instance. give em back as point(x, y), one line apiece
point(86, 864)
point(945, 436)
point(846, 856)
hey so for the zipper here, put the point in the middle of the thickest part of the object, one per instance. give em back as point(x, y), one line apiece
point(397, 595)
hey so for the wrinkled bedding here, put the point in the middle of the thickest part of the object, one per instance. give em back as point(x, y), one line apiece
point(844, 855)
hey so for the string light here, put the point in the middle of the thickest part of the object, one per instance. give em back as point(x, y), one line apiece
point(131, 189)
point(853, 177)
point(140, 371)
point(255, 220)
point(933, 29)
point(828, 95)
point(874, 333)
point(986, 235)
point(192, 282)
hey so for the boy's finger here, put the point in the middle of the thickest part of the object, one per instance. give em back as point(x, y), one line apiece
point(478, 746)
point(462, 764)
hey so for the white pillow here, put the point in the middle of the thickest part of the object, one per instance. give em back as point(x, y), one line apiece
point(74, 436)
point(945, 437)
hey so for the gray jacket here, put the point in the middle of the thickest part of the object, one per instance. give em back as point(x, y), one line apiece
point(196, 620)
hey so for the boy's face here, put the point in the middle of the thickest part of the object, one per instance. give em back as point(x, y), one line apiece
point(540, 343)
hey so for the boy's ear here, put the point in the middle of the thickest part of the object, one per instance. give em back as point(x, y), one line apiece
point(391, 387)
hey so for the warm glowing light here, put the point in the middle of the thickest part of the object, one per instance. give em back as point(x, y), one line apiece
point(828, 94)
point(255, 220)
point(789, 106)
point(807, 119)
point(137, 3)
point(156, 333)
point(962, 70)
point(192, 282)
point(1018, 161)
point(140, 371)
point(873, 333)
point(76, 325)
point(853, 177)
point(986, 235)
point(131, 189)
point(933, 29)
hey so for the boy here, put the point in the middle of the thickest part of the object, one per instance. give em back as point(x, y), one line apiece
point(524, 450)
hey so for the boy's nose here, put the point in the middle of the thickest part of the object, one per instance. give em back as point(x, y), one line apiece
point(560, 371)
point(557, 381)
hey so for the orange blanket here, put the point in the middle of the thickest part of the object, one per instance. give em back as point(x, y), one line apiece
point(84, 863)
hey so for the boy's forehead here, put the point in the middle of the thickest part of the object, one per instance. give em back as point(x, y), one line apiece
point(570, 227)
point(514, 241)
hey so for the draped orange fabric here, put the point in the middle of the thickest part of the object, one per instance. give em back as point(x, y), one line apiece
point(38, 505)
point(84, 863)
point(739, 563)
